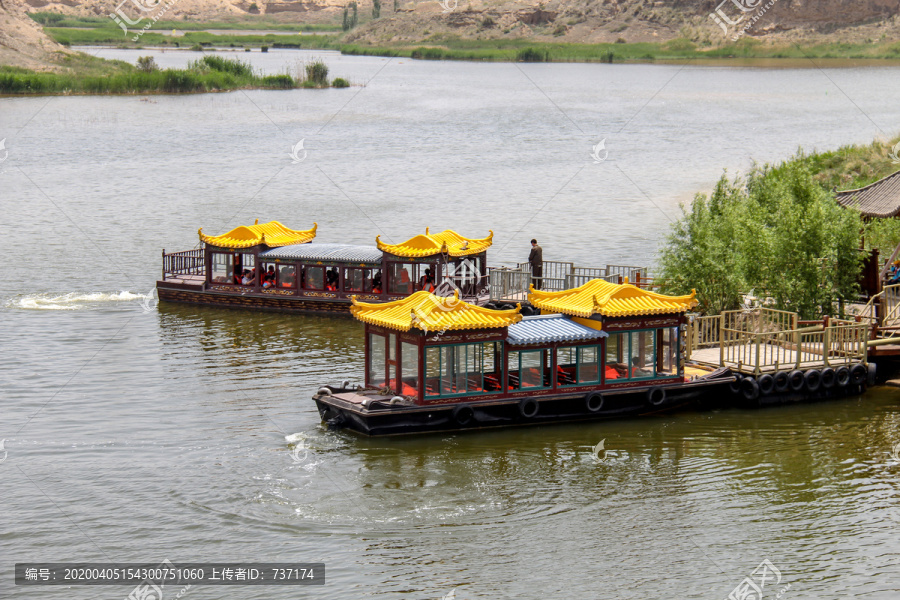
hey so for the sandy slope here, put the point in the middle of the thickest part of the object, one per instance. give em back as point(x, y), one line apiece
point(22, 43)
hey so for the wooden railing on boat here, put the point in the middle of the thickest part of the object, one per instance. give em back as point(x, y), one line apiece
point(767, 340)
point(187, 262)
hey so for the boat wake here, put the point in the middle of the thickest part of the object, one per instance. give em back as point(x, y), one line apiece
point(72, 300)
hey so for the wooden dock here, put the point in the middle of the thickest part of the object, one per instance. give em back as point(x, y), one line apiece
point(767, 341)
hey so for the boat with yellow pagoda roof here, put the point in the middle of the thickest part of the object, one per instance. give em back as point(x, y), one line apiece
point(270, 266)
point(598, 351)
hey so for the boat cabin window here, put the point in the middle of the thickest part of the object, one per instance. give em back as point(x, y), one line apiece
point(315, 278)
point(287, 277)
point(358, 280)
point(222, 267)
point(268, 274)
point(377, 366)
point(463, 369)
point(631, 355)
point(667, 351)
point(409, 369)
point(245, 269)
point(401, 277)
point(528, 369)
point(578, 365)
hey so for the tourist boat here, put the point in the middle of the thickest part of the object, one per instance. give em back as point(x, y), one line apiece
point(599, 351)
point(269, 266)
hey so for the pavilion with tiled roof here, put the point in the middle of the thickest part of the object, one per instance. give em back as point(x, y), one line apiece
point(879, 200)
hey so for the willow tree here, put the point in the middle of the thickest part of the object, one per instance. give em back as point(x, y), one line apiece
point(777, 233)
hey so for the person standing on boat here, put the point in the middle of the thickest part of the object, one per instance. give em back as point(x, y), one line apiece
point(536, 259)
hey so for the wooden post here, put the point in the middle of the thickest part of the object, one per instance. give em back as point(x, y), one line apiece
point(164, 264)
point(756, 366)
point(797, 348)
point(721, 342)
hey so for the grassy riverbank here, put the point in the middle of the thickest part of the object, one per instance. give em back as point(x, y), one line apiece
point(85, 74)
point(100, 31)
point(50, 19)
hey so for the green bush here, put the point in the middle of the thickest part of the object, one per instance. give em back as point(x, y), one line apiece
point(147, 64)
point(427, 53)
point(533, 55)
point(264, 49)
point(283, 82)
point(225, 65)
point(340, 82)
point(317, 73)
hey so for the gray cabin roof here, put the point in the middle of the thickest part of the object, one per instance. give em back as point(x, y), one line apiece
point(545, 329)
point(879, 200)
point(369, 255)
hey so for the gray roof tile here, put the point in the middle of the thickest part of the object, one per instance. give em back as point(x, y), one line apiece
point(877, 200)
point(325, 252)
point(544, 329)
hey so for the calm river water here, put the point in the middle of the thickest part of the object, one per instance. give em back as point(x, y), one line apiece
point(136, 432)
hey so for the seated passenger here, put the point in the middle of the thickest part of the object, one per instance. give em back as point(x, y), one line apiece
point(289, 278)
point(247, 278)
point(376, 283)
point(269, 277)
point(331, 279)
point(403, 287)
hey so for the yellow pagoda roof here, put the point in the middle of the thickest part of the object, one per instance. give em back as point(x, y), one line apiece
point(423, 310)
point(610, 300)
point(272, 234)
point(445, 242)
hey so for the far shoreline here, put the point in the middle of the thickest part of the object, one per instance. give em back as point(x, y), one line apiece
point(812, 62)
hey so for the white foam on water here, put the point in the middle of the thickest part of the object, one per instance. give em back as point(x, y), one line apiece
point(72, 300)
point(294, 438)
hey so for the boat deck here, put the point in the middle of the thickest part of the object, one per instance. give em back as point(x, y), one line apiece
point(770, 359)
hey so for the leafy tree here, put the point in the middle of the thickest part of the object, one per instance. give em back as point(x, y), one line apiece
point(345, 25)
point(778, 232)
point(147, 64)
point(396, 5)
point(376, 9)
point(354, 20)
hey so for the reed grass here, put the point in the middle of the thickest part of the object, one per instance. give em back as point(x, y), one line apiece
point(210, 73)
